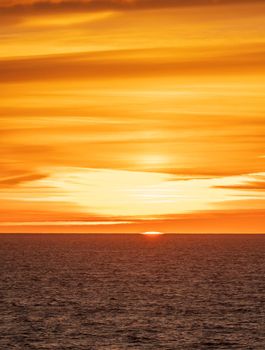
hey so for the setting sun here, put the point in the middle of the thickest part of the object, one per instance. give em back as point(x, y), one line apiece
point(152, 233)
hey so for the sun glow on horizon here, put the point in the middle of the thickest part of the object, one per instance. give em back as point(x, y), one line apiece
point(153, 233)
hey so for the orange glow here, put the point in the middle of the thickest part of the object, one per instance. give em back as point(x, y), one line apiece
point(118, 116)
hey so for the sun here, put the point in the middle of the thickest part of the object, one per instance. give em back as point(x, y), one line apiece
point(147, 161)
point(152, 233)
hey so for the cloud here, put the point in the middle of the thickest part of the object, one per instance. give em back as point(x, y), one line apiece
point(103, 65)
point(124, 194)
point(17, 180)
point(83, 198)
point(23, 8)
point(62, 223)
point(12, 12)
point(254, 183)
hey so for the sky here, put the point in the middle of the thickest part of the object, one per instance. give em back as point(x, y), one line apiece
point(129, 116)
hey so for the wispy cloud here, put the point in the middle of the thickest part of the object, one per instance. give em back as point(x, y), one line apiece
point(114, 193)
point(61, 223)
point(19, 179)
point(24, 7)
point(123, 64)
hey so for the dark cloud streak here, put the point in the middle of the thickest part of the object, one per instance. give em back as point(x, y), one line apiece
point(24, 9)
point(84, 66)
point(43, 71)
point(255, 186)
point(16, 180)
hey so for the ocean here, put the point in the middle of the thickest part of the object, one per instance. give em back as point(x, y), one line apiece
point(117, 292)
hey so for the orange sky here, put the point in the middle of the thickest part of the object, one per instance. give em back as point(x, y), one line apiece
point(131, 116)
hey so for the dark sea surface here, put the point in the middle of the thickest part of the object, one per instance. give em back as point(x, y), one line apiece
point(132, 292)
